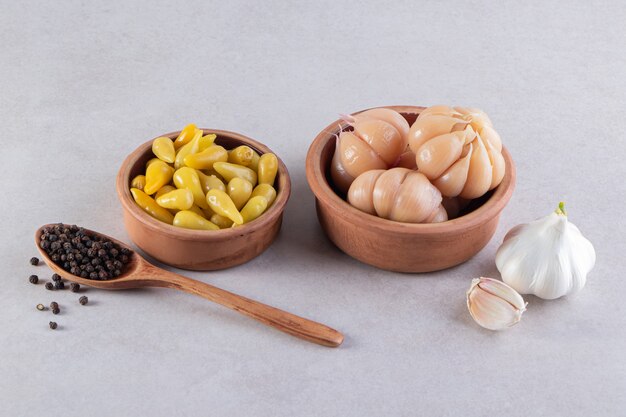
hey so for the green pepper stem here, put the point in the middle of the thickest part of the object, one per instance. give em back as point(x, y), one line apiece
point(561, 209)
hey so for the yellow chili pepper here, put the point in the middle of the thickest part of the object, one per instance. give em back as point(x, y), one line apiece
point(185, 135)
point(163, 190)
point(253, 208)
point(163, 148)
point(150, 206)
point(188, 149)
point(190, 220)
point(186, 177)
point(241, 155)
point(209, 182)
point(266, 191)
point(158, 174)
point(229, 171)
point(268, 167)
point(150, 161)
point(221, 221)
point(206, 158)
point(221, 203)
point(181, 199)
point(138, 182)
point(239, 191)
point(254, 163)
point(206, 141)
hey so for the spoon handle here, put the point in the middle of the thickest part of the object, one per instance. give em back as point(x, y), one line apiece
point(271, 316)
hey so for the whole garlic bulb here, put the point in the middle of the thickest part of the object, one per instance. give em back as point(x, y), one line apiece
point(379, 138)
point(493, 304)
point(398, 194)
point(548, 257)
point(458, 150)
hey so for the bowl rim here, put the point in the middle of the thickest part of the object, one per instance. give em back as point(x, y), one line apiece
point(123, 179)
point(316, 178)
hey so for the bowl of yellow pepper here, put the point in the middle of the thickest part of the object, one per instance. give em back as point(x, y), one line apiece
point(203, 199)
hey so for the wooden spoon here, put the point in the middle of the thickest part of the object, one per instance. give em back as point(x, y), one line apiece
point(140, 273)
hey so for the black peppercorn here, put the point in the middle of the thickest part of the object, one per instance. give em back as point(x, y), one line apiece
point(34, 261)
point(56, 277)
point(59, 285)
point(54, 305)
point(83, 300)
point(49, 286)
point(33, 279)
point(83, 254)
point(74, 287)
point(53, 325)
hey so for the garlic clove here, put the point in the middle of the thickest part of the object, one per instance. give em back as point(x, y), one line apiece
point(426, 128)
point(390, 116)
point(356, 156)
point(490, 135)
point(479, 174)
point(386, 190)
point(493, 304)
point(478, 117)
point(439, 110)
point(382, 137)
point(416, 200)
point(437, 155)
point(452, 181)
point(497, 166)
point(440, 215)
point(362, 189)
point(341, 179)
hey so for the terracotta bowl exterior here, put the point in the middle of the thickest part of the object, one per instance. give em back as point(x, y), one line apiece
point(200, 250)
point(395, 246)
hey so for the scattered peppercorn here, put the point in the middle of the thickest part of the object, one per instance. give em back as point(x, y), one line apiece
point(56, 277)
point(54, 305)
point(33, 279)
point(34, 261)
point(53, 325)
point(83, 253)
point(49, 286)
point(83, 300)
point(74, 287)
point(41, 307)
point(59, 285)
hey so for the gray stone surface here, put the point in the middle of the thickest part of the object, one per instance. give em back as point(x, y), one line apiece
point(82, 84)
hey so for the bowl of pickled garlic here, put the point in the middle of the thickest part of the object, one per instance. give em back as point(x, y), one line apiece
point(192, 248)
point(439, 242)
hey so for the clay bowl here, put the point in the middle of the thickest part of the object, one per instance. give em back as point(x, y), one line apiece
point(394, 246)
point(200, 250)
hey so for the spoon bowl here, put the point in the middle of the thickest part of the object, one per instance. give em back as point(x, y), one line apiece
point(139, 273)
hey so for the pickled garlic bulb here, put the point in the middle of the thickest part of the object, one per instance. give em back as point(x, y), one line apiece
point(398, 194)
point(379, 139)
point(458, 150)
